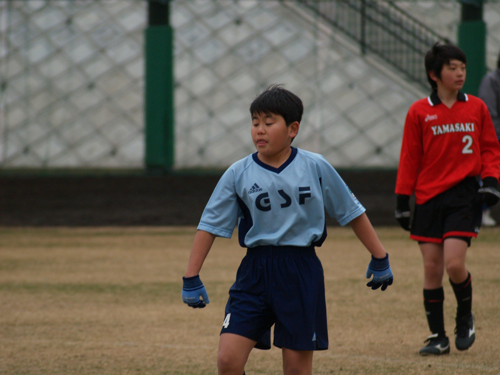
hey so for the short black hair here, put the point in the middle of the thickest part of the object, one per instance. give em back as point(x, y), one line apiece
point(498, 61)
point(275, 99)
point(439, 55)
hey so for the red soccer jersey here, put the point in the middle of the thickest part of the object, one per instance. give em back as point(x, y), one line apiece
point(442, 146)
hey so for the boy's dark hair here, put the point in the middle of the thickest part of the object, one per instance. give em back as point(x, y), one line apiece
point(439, 55)
point(498, 61)
point(275, 99)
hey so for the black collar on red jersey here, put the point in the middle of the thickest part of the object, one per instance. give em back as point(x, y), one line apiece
point(433, 99)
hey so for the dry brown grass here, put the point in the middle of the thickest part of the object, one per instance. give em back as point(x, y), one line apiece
point(107, 301)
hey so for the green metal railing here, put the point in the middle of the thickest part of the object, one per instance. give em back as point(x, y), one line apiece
point(383, 29)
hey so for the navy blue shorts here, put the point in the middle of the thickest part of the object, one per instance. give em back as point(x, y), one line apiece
point(455, 213)
point(281, 286)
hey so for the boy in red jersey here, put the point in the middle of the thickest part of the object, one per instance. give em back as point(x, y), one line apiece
point(449, 144)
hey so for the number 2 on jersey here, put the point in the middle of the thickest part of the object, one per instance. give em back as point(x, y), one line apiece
point(467, 139)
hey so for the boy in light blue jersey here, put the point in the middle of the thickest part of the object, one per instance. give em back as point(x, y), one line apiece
point(278, 196)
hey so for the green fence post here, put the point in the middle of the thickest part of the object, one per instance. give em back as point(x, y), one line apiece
point(472, 40)
point(159, 89)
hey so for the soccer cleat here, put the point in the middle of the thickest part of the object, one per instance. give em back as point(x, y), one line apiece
point(465, 332)
point(437, 345)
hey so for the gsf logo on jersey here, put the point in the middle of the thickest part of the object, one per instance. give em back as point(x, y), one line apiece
point(263, 201)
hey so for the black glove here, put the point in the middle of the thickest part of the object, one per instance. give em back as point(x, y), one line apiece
point(489, 191)
point(402, 212)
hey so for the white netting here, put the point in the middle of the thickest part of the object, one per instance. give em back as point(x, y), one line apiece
point(72, 81)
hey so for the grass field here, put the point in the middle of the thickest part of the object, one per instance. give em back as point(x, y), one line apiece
point(108, 301)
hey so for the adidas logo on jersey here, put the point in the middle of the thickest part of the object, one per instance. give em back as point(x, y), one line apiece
point(255, 188)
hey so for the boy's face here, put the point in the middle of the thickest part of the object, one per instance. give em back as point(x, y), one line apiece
point(452, 76)
point(270, 134)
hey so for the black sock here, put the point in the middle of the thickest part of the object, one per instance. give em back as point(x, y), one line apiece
point(433, 303)
point(463, 293)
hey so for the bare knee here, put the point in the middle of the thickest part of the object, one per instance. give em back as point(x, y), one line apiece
point(227, 364)
point(456, 271)
point(233, 353)
point(433, 264)
point(297, 362)
point(455, 251)
point(434, 272)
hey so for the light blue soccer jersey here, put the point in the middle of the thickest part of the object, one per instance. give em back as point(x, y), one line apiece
point(279, 206)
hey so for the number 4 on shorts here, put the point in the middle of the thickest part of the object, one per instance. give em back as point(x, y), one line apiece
point(226, 321)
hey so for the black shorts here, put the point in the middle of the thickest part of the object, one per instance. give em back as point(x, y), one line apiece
point(454, 213)
point(281, 286)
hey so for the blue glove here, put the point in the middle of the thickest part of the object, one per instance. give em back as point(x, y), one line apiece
point(381, 271)
point(192, 290)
